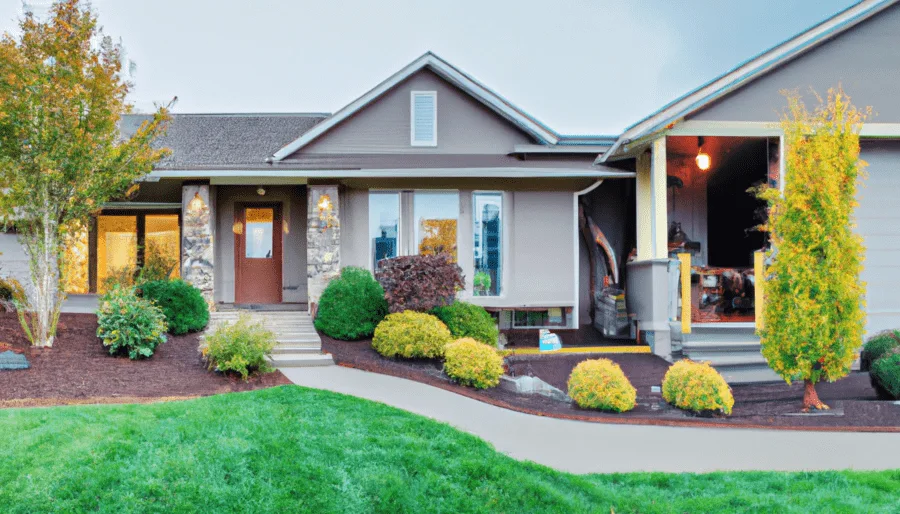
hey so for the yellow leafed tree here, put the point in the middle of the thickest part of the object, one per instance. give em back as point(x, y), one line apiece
point(439, 237)
point(813, 316)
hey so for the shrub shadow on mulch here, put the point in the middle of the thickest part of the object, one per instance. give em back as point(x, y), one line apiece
point(78, 369)
point(756, 405)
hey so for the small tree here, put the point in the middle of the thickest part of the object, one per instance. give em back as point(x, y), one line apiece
point(813, 317)
point(62, 95)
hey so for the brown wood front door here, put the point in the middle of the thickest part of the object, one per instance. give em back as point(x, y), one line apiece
point(257, 253)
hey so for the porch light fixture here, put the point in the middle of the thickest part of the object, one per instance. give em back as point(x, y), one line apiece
point(196, 205)
point(324, 203)
point(326, 214)
point(703, 160)
point(284, 227)
point(237, 228)
point(261, 192)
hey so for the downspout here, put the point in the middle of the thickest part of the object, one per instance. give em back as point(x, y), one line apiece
point(575, 252)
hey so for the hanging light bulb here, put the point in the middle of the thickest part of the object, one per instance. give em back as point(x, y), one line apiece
point(703, 160)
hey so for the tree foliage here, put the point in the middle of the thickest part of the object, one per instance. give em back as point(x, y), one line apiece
point(62, 94)
point(813, 317)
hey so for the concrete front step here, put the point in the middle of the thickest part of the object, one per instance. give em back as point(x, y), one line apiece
point(301, 360)
point(293, 348)
point(749, 375)
point(732, 361)
point(299, 345)
point(736, 345)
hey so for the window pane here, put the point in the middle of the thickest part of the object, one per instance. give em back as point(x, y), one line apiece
point(384, 225)
point(116, 251)
point(259, 233)
point(161, 245)
point(76, 260)
point(487, 213)
point(436, 214)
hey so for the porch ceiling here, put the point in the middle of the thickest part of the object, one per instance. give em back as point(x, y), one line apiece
point(682, 150)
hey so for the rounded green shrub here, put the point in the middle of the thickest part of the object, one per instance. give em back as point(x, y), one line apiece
point(183, 304)
point(130, 325)
point(601, 384)
point(351, 306)
point(468, 320)
point(472, 363)
point(242, 348)
point(885, 375)
point(411, 334)
point(878, 346)
point(697, 387)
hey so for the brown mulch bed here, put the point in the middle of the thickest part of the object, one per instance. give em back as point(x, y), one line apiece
point(78, 369)
point(583, 336)
point(756, 406)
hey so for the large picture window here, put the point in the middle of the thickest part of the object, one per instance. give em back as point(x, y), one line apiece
point(487, 213)
point(384, 225)
point(118, 247)
point(437, 216)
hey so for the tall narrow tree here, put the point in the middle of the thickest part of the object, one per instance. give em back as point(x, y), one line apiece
point(62, 94)
point(813, 317)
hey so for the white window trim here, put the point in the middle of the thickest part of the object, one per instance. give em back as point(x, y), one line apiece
point(412, 118)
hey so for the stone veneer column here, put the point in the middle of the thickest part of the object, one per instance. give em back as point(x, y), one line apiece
point(197, 261)
point(323, 241)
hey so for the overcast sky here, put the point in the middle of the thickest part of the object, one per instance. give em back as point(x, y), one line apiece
point(580, 66)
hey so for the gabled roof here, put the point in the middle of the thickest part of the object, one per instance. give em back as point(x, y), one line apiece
point(451, 74)
point(224, 140)
point(748, 71)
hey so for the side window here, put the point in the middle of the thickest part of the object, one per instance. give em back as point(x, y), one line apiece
point(384, 225)
point(487, 214)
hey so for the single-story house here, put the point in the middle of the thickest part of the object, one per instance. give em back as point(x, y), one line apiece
point(548, 228)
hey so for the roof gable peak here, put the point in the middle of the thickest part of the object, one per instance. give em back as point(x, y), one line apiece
point(446, 71)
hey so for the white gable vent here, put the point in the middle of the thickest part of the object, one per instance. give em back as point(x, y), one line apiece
point(423, 118)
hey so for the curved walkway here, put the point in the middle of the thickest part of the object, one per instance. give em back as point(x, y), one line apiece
point(581, 447)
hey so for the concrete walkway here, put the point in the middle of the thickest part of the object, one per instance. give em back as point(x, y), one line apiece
point(582, 447)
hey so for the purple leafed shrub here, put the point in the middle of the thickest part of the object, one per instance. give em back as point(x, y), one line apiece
point(419, 282)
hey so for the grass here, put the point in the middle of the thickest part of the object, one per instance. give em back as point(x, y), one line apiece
point(291, 449)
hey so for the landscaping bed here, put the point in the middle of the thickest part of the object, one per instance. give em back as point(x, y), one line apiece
point(852, 399)
point(78, 369)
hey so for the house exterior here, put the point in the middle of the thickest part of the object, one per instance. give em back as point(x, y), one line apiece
point(734, 119)
point(265, 209)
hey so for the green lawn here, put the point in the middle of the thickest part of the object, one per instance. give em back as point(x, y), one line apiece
point(291, 449)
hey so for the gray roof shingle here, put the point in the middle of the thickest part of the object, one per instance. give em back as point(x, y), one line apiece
point(224, 140)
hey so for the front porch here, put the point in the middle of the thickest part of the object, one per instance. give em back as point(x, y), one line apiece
point(692, 286)
point(250, 246)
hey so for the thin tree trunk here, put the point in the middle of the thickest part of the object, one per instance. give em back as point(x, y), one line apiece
point(39, 318)
point(811, 397)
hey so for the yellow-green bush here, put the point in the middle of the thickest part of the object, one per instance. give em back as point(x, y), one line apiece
point(601, 384)
point(472, 363)
point(696, 386)
point(411, 334)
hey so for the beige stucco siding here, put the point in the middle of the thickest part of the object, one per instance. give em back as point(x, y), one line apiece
point(865, 61)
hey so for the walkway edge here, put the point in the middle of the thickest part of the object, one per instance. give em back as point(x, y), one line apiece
point(578, 447)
